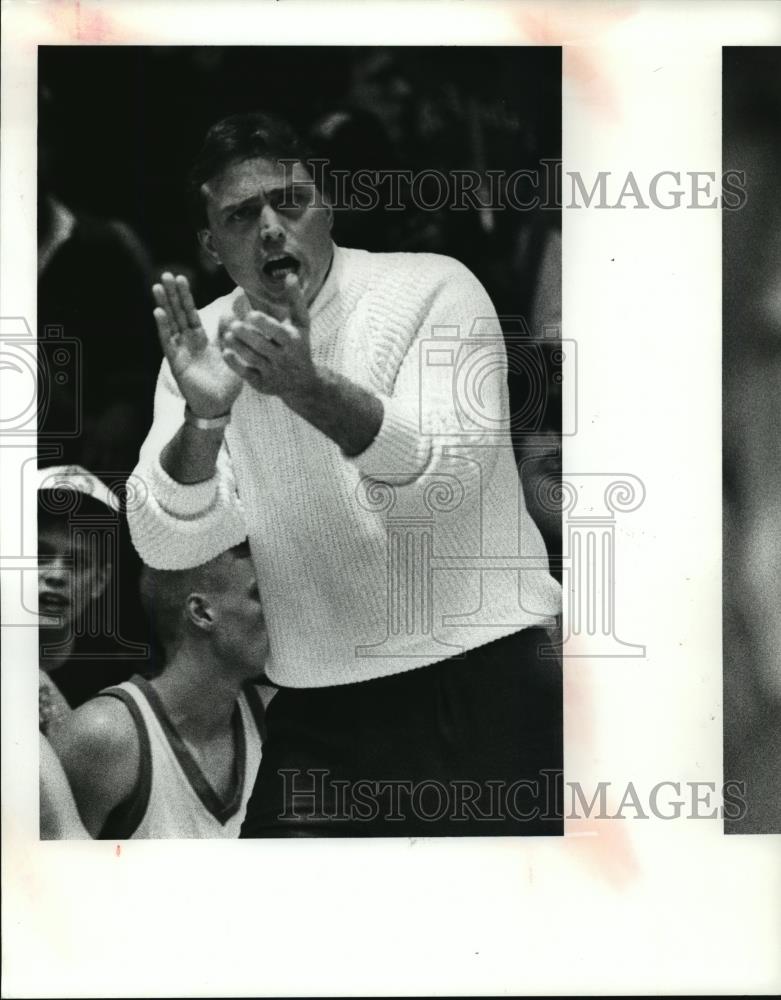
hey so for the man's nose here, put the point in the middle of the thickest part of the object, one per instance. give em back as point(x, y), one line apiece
point(271, 230)
point(55, 573)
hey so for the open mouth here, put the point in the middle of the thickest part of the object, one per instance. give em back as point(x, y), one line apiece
point(52, 604)
point(278, 268)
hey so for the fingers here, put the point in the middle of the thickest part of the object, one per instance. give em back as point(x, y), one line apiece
point(186, 299)
point(163, 305)
point(175, 308)
point(168, 334)
point(241, 307)
point(250, 373)
point(177, 319)
point(299, 314)
point(255, 324)
point(164, 331)
point(161, 296)
point(223, 326)
point(237, 364)
point(249, 343)
point(270, 329)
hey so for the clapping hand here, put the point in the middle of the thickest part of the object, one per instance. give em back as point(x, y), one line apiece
point(274, 356)
point(206, 381)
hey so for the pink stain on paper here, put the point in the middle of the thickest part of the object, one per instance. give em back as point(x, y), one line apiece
point(83, 22)
point(576, 26)
point(602, 845)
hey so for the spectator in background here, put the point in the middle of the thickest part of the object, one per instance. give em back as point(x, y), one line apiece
point(93, 285)
point(80, 544)
point(380, 85)
point(177, 755)
point(355, 140)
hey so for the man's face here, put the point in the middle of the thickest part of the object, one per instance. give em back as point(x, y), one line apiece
point(241, 627)
point(266, 220)
point(68, 579)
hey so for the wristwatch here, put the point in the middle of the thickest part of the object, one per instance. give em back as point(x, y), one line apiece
point(206, 423)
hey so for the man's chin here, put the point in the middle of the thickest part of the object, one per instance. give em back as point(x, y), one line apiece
point(52, 621)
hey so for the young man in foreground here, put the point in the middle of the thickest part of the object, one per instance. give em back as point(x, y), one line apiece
point(177, 755)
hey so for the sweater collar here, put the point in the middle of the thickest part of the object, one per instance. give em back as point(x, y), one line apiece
point(331, 284)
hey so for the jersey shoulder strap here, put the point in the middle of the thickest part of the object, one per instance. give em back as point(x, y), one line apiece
point(125, 818)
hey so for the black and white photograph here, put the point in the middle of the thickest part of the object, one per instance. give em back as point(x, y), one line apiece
point(389, 511)
point(335, 341)
point(752, 431)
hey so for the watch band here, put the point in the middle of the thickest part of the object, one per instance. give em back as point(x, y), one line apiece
point(206, 423)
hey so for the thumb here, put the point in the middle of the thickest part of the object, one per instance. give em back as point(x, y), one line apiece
point(299, 314)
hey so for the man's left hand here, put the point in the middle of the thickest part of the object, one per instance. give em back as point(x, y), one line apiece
point(273, 356)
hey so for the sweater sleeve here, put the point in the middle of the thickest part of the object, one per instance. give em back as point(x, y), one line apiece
point(447, 409)
point(176, 526)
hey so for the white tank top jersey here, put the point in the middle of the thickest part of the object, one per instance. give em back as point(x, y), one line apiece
point(172, 797)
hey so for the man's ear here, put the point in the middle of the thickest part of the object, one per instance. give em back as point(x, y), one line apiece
point(322, 201)
point(200, 612)
point(207, 243)
point(100, 581)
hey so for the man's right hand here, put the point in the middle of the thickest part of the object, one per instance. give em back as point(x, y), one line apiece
point(205, 381)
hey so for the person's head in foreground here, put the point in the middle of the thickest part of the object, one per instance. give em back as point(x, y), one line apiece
point(257, 209)
point(209, 616)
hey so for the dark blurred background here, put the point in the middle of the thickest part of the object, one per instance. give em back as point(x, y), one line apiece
point(123, 124)
point(119, 126)
point(752, 435)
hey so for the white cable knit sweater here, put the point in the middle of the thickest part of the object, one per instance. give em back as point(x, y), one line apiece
point(403, 555)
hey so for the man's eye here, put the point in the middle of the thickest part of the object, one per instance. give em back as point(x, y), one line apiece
point(242, 214)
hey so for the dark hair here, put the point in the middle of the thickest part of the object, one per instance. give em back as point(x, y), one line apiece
point(240, 137)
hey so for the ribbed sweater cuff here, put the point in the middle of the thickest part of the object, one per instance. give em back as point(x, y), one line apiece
point(183, 526)
point(178, 499)
point(399, 449)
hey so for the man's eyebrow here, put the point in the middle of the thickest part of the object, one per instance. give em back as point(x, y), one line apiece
point(282, 189)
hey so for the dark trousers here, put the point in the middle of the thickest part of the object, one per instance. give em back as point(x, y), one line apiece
point(466, 747)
